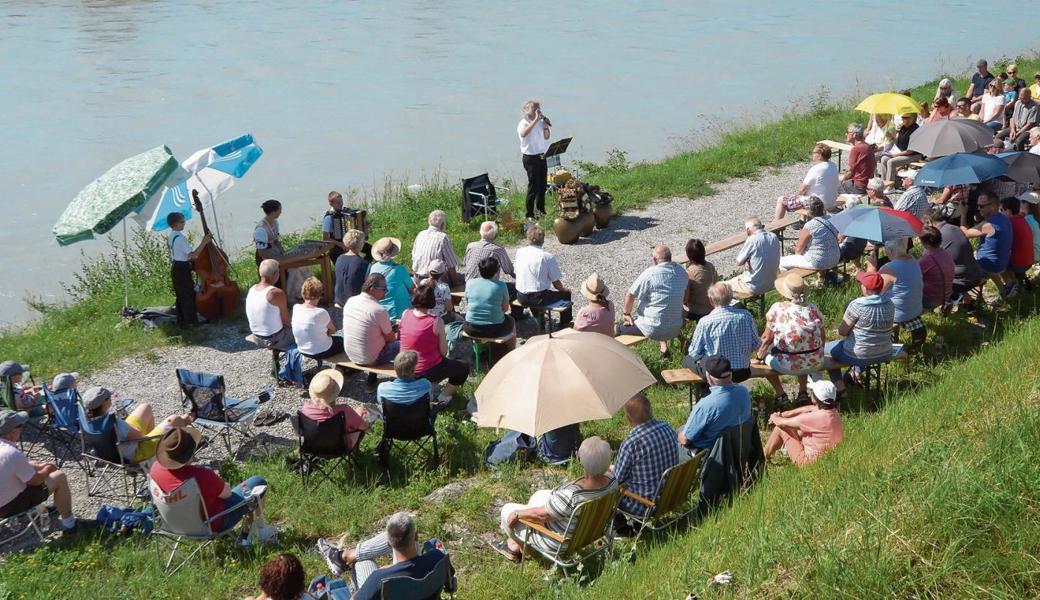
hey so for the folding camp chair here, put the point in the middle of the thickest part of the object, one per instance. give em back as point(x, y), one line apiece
point(10, 525)
point(216, 414)
point(182, 518)
point(671, 503)
point(61, 427)
point(103, 461)
point(323, 448)
point(34, 426)
point(479, 197)
point(591, 523)
point(409, 424)
point(404, 588)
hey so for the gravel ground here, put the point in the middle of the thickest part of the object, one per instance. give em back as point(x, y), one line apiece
point(618, 254)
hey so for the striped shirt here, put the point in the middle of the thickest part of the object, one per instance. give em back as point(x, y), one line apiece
point(478, 251)
point(914, 201)
point(429, 245)
point(649, 450)
point(871, 334)
point(727, 331)
point(561, 506)
point(660, 290)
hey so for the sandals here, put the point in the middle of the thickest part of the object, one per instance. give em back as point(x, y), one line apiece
point(502, 547)
point(267, 418)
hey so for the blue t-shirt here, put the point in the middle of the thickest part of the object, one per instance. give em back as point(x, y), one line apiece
point(994, 252)
point(726, 406)
point(350, 274)
point(979, 83)
point(402, 391)
point(397, 299)
point(484, 298)
point(417, 568)
point(907, 293)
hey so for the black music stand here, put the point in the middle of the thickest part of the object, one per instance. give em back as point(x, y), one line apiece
point(555, 151)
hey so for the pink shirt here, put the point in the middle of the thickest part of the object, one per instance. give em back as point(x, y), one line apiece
point(599, 319)
point(419, 333)
point(15, 471)
point(820, 430)
point(353, 420)
point(937, 272)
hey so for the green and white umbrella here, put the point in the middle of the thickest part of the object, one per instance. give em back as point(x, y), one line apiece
point(109, 199)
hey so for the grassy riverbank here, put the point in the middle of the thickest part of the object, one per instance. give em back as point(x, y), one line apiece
point(86, 335)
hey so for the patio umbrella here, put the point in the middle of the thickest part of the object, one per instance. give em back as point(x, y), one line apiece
point(109, 199)
point(557, 380)
point(1023, 167)
point(211, 171)
point(876, 224)
point(888, 103)
point(961, 168)
point(949, 136)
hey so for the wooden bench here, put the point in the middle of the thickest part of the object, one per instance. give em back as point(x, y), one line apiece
point(341, 360)
point(686, 376)
point(748, 298)
point(275, 353)
point(838, 147)
point(545, 312)
point(778, 227)
point(627, 339)
point(481, 341)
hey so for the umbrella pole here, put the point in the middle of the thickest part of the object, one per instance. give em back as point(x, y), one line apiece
point(126, 269)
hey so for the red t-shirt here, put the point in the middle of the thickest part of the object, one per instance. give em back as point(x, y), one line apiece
point(210, 484)
point(861, 163)
point(1021, 242)
point(420, 334)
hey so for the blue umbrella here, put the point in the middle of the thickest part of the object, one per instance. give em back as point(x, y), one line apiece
point(877, 224)
point(959, 169)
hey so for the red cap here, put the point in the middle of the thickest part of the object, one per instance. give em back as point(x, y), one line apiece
point(871, 280)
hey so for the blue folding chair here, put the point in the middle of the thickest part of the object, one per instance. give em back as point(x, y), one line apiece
point(215, 413)
point(103, 461)
point(61, 427)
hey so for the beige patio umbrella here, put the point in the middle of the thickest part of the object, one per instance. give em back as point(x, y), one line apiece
point(557, 380)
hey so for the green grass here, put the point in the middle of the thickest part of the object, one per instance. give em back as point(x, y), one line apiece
point(931, 494)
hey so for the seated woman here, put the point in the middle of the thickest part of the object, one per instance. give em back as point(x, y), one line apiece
point(992, 112)
point(867, 327)
point(554, 508)
point(817, 246)
point(406, 388)
point(793, 338)
point(321, 406)
point(806, 432)
point(312, 326)
point(598, 315)
point(424, 333)
point(25, 399)
point(702, 275)
point(942, 109)
point(282, 578)
point(172, 467)
point(937, 269)
point(487, 302)
point(904, 286)
point(137, 434)
point(399, 284)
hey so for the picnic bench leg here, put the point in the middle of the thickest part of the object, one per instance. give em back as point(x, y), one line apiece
point(476, 356)
point(275, 354)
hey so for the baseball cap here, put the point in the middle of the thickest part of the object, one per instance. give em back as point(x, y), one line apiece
point(717, 366)
point(63, 381)
point(1030, 197)
point(436, 266)
point(909, 173)
point(871, 280)
point(94, 397)
point(824, 391)
point(10, 419)
point(10, 367)
point(982, 63)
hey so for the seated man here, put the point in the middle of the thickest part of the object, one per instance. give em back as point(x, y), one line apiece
point(554, 508)
point(433, 244)
point(406, 388)
point(267, 310)
point(726, 331)
point(966, 271)
point(821, 181)
point(644, 455)
point(400, 543)
point(760, 257)
point(29, 400)
point(808, 431)
point(485, 247)
point(172, 467)
point(538, 276)
point(914, 200)
point(876, 193)
point(994, 252)
point(904, 286)
point(660, 290)
point(861, 165)
point(25, 484)
point(727, 405)
point(368, 336)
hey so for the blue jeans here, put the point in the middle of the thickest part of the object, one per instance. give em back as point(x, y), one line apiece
point(237, 498)
point(836, 350)
point(389, 351)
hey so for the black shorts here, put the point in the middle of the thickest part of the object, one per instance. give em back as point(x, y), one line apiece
point(32, 495)
point(489, 331)
point(454, 371)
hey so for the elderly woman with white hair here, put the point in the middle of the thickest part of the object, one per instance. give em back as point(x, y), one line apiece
point(433, 244)
point(945, 90)
point(554, 508)
point(533, 130)
point(904, 286)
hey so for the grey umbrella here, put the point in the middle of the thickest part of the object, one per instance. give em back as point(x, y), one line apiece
point(1023, 167)
point(949, 136)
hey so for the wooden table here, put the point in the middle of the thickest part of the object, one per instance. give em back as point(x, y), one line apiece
point(308, 253)
point(839, 147)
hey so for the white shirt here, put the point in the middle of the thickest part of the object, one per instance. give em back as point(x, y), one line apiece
point(536, 270)
point(365, 323)
point(179, 247)
point(264, 318)
point(534, 142)
point(1035, 149)
point(992, 107)
point(15, 471)
point(822, 179)
point(310, 327)
point(264, 241)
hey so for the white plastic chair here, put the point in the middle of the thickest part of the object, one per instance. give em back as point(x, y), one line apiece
point(182, 518)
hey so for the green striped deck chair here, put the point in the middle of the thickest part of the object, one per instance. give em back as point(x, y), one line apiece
point(593, 525)
point(673, 496)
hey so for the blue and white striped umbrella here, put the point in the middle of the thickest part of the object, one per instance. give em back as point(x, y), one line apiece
point(211, 171)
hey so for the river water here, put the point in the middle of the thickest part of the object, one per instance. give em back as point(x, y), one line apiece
point(342, 95)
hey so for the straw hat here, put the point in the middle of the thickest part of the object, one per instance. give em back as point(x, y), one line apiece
point(177, 446)
point(790, 286)
point(326, 386)
point(386, 248)
point(593, 288)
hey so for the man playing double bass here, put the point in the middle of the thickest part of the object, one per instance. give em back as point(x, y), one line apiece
point(181, 270)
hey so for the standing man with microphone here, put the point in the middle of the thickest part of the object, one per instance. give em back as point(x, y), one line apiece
point(533, 130)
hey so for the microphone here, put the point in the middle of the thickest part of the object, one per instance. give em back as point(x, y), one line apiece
point(547, 121)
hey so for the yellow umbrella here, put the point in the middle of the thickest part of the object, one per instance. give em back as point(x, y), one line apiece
point(557, 380)
point(888, 103)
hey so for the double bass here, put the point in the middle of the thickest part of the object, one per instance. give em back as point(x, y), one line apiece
point(217, 293)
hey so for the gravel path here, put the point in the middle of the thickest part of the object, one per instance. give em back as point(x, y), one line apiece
point(618, 254)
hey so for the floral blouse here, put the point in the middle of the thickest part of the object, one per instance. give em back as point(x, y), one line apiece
point(797, 335)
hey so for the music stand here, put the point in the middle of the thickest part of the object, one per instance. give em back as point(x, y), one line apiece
point(555, 151)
